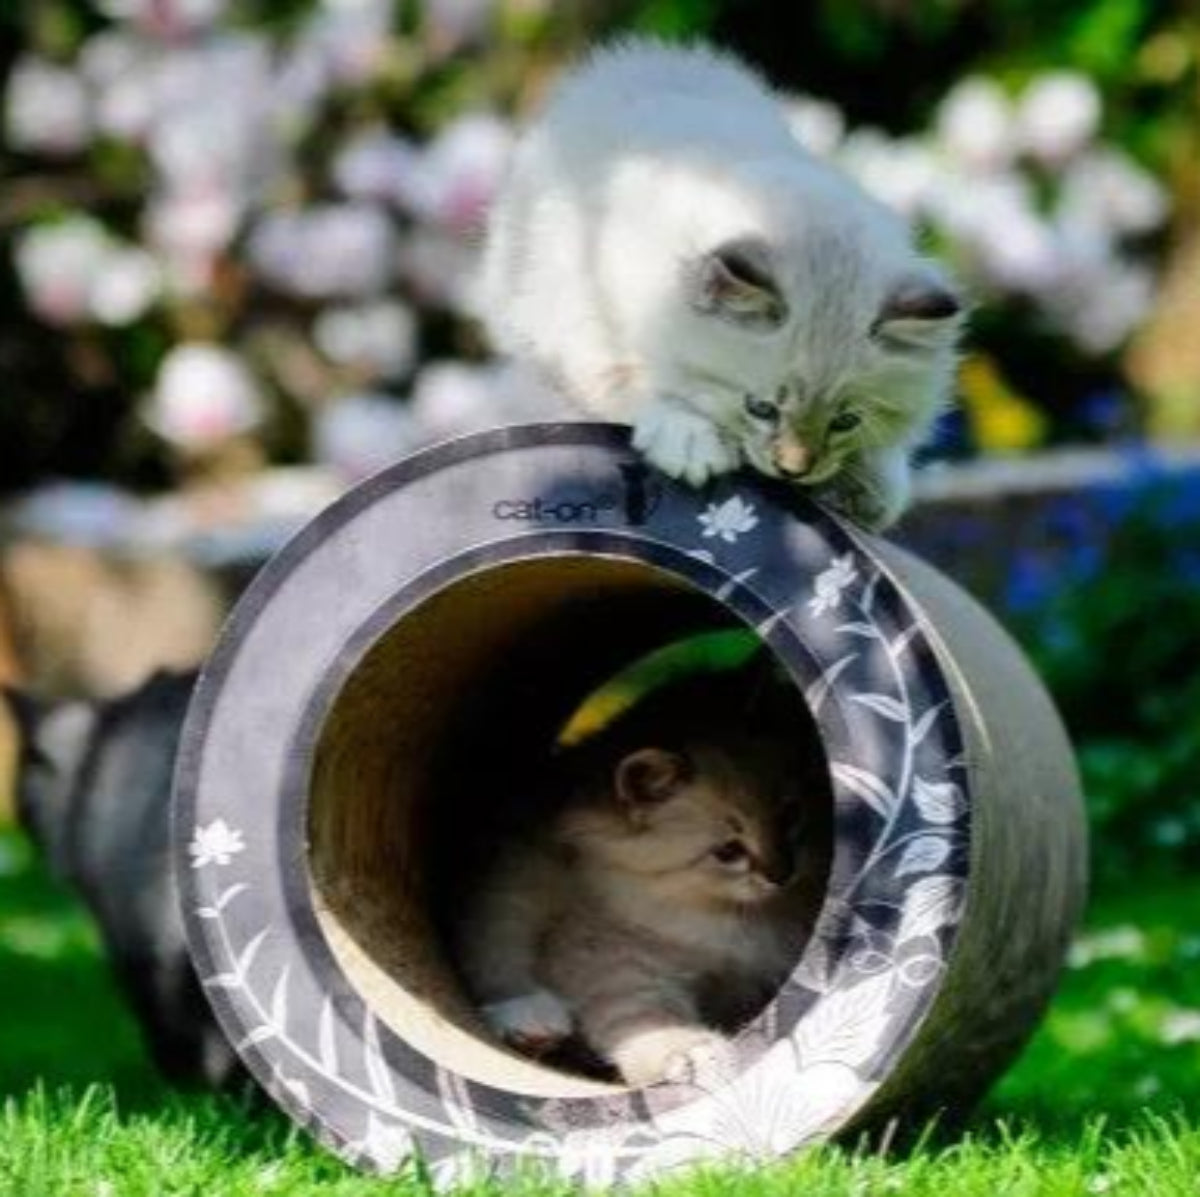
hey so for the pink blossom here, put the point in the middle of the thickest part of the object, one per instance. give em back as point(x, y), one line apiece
point(457, 175)
point(204, 395)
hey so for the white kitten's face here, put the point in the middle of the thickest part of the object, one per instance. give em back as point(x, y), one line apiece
point(831, 339)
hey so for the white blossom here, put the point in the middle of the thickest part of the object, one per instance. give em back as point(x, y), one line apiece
point(327, 251)
point(378, 338)
point(126, 287)
point(122, 70)
point(452, 398)
point(818, 125)
point(976, 124)
point(375, 165)
point(190, 228)
point(204, 395)
point(831, 583)
point(47, 110)
point(75, 271)
point(1058, 115)
point(439, 268)
point(359, 435)
point(216, 843)
point(1107, 191)
point(903, 174)
point(729, 520)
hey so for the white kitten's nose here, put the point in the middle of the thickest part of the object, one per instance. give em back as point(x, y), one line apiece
point(791, 457)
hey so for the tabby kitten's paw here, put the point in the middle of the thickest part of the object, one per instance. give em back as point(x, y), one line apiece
point(682, 443)
point(534, 1023)
point(682, 1055)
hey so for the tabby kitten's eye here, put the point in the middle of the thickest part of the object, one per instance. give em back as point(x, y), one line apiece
point(730, 852)
point(847, 421)
point(761, 409)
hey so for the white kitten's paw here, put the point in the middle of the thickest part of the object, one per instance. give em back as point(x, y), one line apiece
point(683, 444)
point(533, 1023)
point(682, 1055)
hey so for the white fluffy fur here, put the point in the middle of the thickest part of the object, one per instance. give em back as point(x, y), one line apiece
point(645, 161)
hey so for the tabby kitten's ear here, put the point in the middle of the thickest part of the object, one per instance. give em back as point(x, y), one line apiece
point(920, 307)
point(736, 281)
point(650, 775)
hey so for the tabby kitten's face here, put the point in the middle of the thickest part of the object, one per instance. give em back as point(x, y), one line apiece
point(702, 826)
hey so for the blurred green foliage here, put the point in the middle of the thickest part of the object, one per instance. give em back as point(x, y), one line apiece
point(1112, 627)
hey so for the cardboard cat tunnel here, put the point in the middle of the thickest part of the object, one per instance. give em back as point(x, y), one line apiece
point(387, 678)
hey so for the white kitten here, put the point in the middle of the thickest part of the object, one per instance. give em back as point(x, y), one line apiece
point(665, 250)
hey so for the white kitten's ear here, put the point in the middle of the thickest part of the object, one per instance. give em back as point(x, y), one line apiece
point(650, 775)
point(736, 281)
point(921, 307)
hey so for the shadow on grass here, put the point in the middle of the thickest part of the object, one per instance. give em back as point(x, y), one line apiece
point(66, 1029)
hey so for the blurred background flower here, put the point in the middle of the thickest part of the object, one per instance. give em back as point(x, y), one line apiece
point(304, 181)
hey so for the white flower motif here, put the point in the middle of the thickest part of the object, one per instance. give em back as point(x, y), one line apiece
point(831, 584)
point(728, 520)
point(217, 843)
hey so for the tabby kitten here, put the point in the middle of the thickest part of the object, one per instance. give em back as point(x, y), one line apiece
point(664, 898)
point(668, 254)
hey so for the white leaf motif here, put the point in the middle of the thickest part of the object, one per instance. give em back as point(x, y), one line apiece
point(939, 802)
point(881, 704)
point(377, 1069)
point(223, 981)
point(868, 595)
point(279, 1001)
point(866, 630)
point(248, 953)
point(456, 1101)
point(931, 903)
point(257, 1035)
point(922, 726)
point(326, 1043)
point(728, 587)
point(847, 1026)
point(923, 855)
point(815, 966)
point(815, 695)
point(874, 791)
point(904, 640)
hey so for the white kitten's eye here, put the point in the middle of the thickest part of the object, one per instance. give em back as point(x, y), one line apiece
point(847, 421)
point(729, 852)
point(761, 409)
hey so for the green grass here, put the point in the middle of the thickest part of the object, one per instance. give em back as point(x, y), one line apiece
point(1105, 1101)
